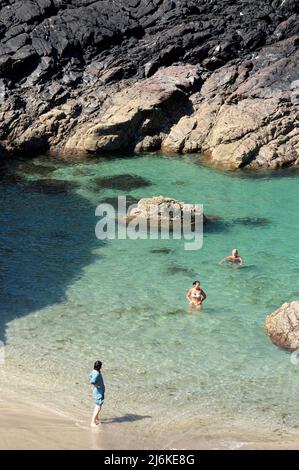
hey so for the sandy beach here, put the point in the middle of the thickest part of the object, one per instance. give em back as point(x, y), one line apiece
point(32, 427)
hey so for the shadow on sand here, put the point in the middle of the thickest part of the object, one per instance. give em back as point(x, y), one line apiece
point(125, 418)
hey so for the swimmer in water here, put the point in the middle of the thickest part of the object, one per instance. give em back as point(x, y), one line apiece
point(196, 295)
point(233, 260)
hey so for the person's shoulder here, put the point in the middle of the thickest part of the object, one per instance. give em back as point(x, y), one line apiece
point(94, 373)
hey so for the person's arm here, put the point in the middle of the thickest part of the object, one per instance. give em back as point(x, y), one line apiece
point(241, 260)
point(188, 294)
point(92, 380)
point(224, 259)
point(203, 296)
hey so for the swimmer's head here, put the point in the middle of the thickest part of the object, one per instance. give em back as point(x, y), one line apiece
point(196, 283)
point(235, 252)
point(97, 366)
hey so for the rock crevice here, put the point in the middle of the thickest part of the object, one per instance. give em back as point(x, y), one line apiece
point(219, 77)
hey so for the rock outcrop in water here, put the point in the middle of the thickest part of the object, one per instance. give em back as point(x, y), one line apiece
point(283, 326)
point(86, 76)
point(166, 209)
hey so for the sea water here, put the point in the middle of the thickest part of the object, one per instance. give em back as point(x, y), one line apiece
point(68, 298)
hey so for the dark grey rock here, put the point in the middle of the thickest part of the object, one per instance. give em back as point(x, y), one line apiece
point(53, 51)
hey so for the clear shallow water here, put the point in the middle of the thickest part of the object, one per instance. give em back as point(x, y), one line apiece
point(68, 298)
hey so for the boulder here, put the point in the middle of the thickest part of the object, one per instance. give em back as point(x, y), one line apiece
point(282, 326)
point(161, 208)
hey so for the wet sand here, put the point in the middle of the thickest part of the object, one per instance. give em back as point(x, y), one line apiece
point(28, 426)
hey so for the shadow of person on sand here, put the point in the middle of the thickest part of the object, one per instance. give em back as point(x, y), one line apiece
point(125, 418)
point(46, 239)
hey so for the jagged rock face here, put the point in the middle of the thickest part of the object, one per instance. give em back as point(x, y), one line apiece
point(85, 76)
point(283, 326)
point(247, 114)
point(137, 113)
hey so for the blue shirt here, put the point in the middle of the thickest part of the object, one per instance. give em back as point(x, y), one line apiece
point(96, 378)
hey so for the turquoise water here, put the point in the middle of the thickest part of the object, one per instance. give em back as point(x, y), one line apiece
point(68, 299)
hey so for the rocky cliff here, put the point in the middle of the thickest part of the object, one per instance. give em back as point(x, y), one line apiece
point(212, 76)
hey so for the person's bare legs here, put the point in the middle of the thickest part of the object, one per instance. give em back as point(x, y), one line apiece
point(98, 415)
point(95, 417)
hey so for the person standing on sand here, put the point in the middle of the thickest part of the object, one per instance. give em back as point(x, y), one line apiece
point(233, 259)
point(98, 392)
point(196, 295)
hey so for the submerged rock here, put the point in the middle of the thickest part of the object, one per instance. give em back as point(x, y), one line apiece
point(252, 221)
point(130, 200)
point(35, 169)
point(178, 269)
point(178, 311)
point(216, 225)
point(49, 186)
point(9, 177)
point(122, 182)
point(164, 250)
point(282, 326)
